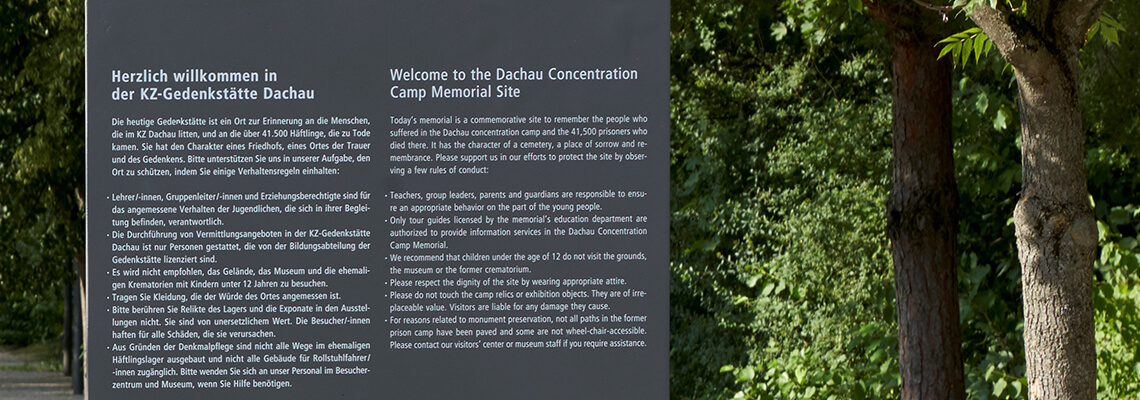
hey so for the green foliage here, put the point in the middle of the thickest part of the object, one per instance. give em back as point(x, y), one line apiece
point(31, 319)
point(41, 146)
point(816, 21)
point(989, 277)
point(1117, 304)
point(962, 44)
point(780, 269)
point(867, 367)
point(972, 41)
point(1111, 112)
point(1108, 28)
point(780, 157)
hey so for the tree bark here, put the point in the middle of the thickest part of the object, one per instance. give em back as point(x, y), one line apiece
point(1056, 230)
point(1056, 240)
point(922, 218)
point(81, 300)
point(922, 226)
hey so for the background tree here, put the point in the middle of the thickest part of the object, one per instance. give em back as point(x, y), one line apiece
point(921, 211)
point(781, 149)
point(781, 161)
point(922, 215)
point(41, 159)
point(1111, 118)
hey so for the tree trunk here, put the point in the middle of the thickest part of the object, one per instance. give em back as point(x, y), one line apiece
point(922, 224)
point(922, 220)
point(81, 282)
point(1056, 236)
point(1056, 230)
point(81, 289)
point(68, 327)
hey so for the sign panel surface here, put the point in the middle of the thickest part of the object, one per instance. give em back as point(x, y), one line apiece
point(398, 199)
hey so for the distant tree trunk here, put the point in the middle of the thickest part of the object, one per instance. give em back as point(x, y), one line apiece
point(68, 327)
point(922, 225)
point(81, 288)
point(79, 359)
point(922, 218)
point(1056, 230)
point(77, 344)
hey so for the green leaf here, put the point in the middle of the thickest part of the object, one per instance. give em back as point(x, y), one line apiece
point(747, 374)
point(983, 103)
point(979, 44)
point(867, 329)
point(752, 280)
point(978, 273)
point(962, 44)
point(1128, 243)
point(999, 386)
point(967, 47)
point(1111, 21)
point(1108, 28)
point(1132, 262)
point(878, 355)
point(779, 30)
point(946, 49)
point(1119, 216)
point(807, 26)
point(953, 39)
point(1000, 119)
point(1105, 290)
point(1109, 34)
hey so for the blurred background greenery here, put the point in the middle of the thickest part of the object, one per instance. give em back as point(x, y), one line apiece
point(781, 146)
point(41, 164)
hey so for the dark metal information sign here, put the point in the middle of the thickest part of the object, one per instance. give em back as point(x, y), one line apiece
point(377, 199)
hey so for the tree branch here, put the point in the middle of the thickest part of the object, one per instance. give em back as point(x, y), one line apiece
point(942, 9)
point(1076, 17)
point(1051, 26)
point(1012, 43)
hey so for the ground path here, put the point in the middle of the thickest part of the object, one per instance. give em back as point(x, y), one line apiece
point(22, 384)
